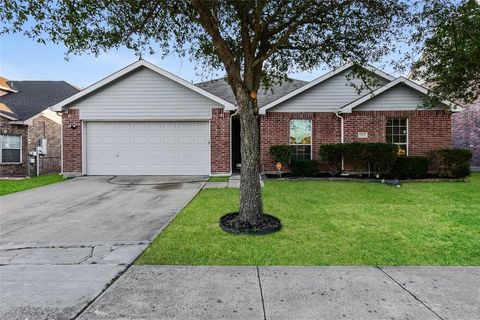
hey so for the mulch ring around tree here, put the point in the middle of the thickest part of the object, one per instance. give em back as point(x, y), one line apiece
point(231, 223)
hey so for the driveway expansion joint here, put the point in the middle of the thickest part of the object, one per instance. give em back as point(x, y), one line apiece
point(261, 293)
point(84, 254)
point(105, 288)
point(53, 246)
point(409, 292)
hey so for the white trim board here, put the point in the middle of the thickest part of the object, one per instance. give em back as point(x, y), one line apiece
point(140, 63)
point(8, 89)
point(321, 79)
point(6, 116)
point(400, 80)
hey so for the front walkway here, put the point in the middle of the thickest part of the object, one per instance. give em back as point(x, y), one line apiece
point(166, 292)
point(233, 182)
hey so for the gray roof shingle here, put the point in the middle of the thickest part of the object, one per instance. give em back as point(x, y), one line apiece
point(220, 88)
point(33, 97)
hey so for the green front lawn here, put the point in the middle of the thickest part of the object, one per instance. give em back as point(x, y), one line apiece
point(10, 186)
point(333, 223)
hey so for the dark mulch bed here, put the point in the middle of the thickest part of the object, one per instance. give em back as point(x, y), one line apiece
point(354, 177)
point(231, 223)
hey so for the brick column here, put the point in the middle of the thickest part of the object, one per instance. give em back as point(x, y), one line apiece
point(72, 143)
point(220, 142)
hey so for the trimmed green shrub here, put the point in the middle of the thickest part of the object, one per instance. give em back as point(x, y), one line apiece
point(355, 154)
point(332, 155)
point(304, 168)
point(413, 167)
point(280, 153)
point(380, 157)
point(376, 157)
point(451, 163)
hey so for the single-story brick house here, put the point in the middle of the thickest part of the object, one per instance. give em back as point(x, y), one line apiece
point(25, 118)
point(143, 120)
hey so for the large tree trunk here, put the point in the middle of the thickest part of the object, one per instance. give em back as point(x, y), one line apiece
point(251, 208)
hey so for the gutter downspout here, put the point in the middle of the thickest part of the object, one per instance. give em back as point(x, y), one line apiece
point(61, 144)
point(342, 140)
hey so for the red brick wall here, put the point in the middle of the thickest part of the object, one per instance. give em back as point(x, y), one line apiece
point(275, 129)
point(373, 123)
point(72, 143)
point(428, 130)
point(42, 127)
point(466, 131)
point(20, 169)
point(220, 141)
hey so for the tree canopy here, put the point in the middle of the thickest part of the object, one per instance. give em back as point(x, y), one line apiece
point(273, 37)
point(450, 61)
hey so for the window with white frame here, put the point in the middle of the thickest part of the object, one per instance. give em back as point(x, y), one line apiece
point(397, 133)
point(11, 149)
point(301, 139)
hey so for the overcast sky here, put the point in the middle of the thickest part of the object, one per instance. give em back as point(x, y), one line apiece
point(22, 58)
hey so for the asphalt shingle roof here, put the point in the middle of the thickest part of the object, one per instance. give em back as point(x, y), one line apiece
point(220, 88)
point(33, 97)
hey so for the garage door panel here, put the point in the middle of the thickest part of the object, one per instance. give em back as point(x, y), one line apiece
point(124, 140)
point(138, 141)
point(109, 127)
point(139, 127)
point(124, 127)
point(147, 148)
point(201, 154)
point(155, 140)
point(185, 140)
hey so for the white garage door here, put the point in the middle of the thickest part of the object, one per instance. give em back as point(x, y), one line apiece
point(147, 148)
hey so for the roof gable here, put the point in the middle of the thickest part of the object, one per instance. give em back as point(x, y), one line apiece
point(127, 70)
point(383, 90)
point(323, 79)
point(144, 95)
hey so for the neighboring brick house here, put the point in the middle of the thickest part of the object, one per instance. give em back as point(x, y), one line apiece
point(25, 119)
point(466, 131)
point(143, 120)
point(465, 127)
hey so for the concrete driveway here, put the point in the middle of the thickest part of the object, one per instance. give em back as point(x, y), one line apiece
point(60, 245)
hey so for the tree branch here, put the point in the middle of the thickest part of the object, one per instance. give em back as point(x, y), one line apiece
point(210, 24)
point(293, 24)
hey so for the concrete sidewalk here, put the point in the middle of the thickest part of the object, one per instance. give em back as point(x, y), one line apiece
point(167, 292)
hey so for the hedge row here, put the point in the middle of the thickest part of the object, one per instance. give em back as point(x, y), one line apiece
point(380, 159)
point(451, 163)
point(413, 167)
